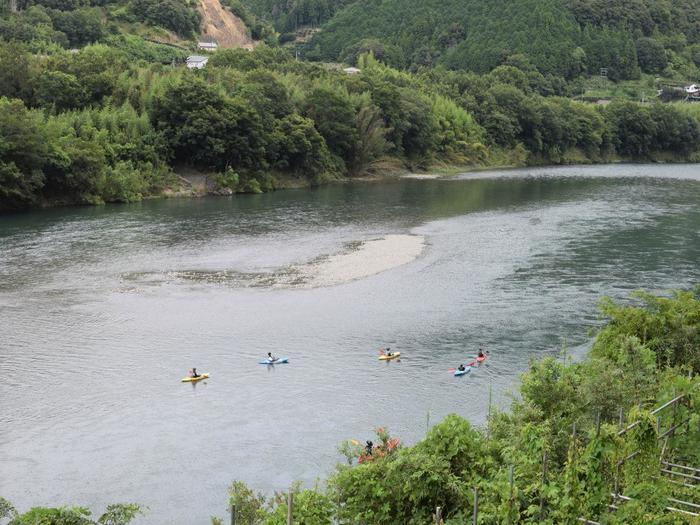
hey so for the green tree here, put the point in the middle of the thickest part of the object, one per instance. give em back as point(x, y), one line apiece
point(75, 172)
point(667, 326)
point(633, 128)
point(310, 508)
point(116, 514)
point(58, 90)
point(332, 111)
point(23, 154)
point(651, 55)
point(297, 147)
point(250, 507)
point(371, 142)
point(389, 54)
point(203, 126)
point(16, 73)
point(171, 14)
point(418, 126)
point(82, 26)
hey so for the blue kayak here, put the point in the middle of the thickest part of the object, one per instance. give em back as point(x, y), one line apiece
point(277, 361)
point(462, 372)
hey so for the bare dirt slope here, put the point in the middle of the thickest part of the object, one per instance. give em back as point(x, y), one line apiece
point(221, 25)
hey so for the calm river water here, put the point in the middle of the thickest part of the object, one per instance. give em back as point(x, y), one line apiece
point(103, 310)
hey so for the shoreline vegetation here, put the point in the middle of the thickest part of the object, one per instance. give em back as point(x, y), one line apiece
point(98, 102)
point(201, 184)
point(196, 184)
point(96, 126)
point(615, 428)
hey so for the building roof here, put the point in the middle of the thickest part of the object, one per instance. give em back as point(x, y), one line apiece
point(196, 58)
point(208, 45)
point(351, 70)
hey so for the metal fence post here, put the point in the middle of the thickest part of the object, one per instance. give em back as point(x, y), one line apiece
point(476, 506)
point(290, 507)
point(233, 515)
point(438, 515)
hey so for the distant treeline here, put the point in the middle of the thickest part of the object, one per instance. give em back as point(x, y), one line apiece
point(100, 125)
point(566, 38)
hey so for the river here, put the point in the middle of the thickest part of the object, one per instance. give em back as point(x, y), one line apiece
point(103, 310)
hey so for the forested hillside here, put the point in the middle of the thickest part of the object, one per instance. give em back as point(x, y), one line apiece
point(98, 106)
point(99, 125)
point(566, 38)
point(48, 25)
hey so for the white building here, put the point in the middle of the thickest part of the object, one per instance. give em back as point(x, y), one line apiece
point(197, 61)
point(352, 70)
point(207, 46)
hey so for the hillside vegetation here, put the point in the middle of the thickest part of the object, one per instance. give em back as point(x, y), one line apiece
point(566, 38)
point(98, 125)
point(95, 110)
point(50, 24)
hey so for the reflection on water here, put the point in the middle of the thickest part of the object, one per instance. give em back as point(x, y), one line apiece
point(103, 310)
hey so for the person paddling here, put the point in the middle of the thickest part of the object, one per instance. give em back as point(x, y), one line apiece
point(461, 368)
point(193, 373)
point(271, 358)
point(480, 354)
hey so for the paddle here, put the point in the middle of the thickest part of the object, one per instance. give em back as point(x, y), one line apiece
point(467, 365)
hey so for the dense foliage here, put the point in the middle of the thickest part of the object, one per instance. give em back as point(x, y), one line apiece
point(289, 16)
point(562, 37)
point(101, 124)
point(560, 443)
point(491, 85)
point(175, 15)
point(119, 514)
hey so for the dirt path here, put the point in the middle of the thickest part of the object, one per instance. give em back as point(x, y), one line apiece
point(221, 25)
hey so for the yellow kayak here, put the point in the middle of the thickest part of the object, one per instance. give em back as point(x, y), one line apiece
point(389, 357)
point(195, 379)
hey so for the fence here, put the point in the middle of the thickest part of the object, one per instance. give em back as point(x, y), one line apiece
point(678, 474)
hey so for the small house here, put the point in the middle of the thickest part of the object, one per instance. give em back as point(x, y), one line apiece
point(207, 46)
point(196, 61)
point(352, 70)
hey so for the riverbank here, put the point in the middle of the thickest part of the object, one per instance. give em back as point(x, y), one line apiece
point(188, 182)
point(200, 184)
